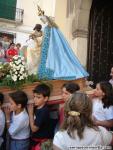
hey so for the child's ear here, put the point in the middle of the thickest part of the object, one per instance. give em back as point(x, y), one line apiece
point(46, 99)
point(19, 106)
point(103, 94)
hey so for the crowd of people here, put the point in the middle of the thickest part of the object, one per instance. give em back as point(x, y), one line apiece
point(85, 121)
point(7, 54)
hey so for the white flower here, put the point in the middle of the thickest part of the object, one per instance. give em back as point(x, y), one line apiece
point(18, 68)
point(11, 64)
point(21, 78)
point(17, 62)
point(14, 78)
point(22, 58)
point(23, 63)
point(15, 57)
point(22, 69)
point(16, 72)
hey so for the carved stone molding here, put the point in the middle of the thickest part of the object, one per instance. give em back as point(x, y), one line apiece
point(6, 27)
point(80, 33)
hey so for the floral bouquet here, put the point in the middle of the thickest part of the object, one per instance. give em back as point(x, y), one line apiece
point(15, 73)
point(18, 69)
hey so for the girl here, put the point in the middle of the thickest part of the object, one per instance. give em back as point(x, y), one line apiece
point(67, 90)
point(78, 130)
point(103, 105)
point(18, 124)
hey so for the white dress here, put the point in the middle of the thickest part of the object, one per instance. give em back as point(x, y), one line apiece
point(33, 55)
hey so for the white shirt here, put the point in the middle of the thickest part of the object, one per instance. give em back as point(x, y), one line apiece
point(2, 125)
point(2, 122)
point(91, 138)
point(19, 127)
point(101, 113)
point(111, 81)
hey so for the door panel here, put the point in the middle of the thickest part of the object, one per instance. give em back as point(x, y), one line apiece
point(100, 40)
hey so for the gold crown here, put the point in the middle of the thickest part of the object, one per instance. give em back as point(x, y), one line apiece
point(40, 11)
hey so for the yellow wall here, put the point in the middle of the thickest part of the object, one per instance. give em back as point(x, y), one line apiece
point(30, 10)
point(77, 20)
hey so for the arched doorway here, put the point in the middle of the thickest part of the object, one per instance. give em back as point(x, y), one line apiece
point(100, 40)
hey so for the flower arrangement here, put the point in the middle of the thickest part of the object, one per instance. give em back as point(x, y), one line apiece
point(18, 69)
point(15, 73)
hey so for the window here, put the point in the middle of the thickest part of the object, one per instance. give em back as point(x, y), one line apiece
point(8, 9)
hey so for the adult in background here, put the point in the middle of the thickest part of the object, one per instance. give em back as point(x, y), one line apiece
point(11, 52)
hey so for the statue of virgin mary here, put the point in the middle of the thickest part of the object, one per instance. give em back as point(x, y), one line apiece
point(57, 60)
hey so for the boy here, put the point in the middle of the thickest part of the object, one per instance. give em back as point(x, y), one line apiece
point(67, 89)
point(40, 126)
point(18, 123)
point(2, 119)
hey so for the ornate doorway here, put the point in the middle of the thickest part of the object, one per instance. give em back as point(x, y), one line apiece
point(100, 40)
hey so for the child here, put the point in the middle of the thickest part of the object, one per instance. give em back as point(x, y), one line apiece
point(103, 105)
point(2, 119)
point(78, 130)
point(17, 47)
point(111, 74)
point(67, 90)
point(40, 126)
point(18, 124)
point(11, 52)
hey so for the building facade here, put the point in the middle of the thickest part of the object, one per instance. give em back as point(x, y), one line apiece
point(18, 18)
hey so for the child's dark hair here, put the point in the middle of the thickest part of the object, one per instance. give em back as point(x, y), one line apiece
point(1, 98)
point(71, 87)
point(19, 97)
point(42, 89)
point(107, 88)
point(18, 44)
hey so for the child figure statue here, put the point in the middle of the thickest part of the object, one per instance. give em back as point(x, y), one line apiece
point(33, 49)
